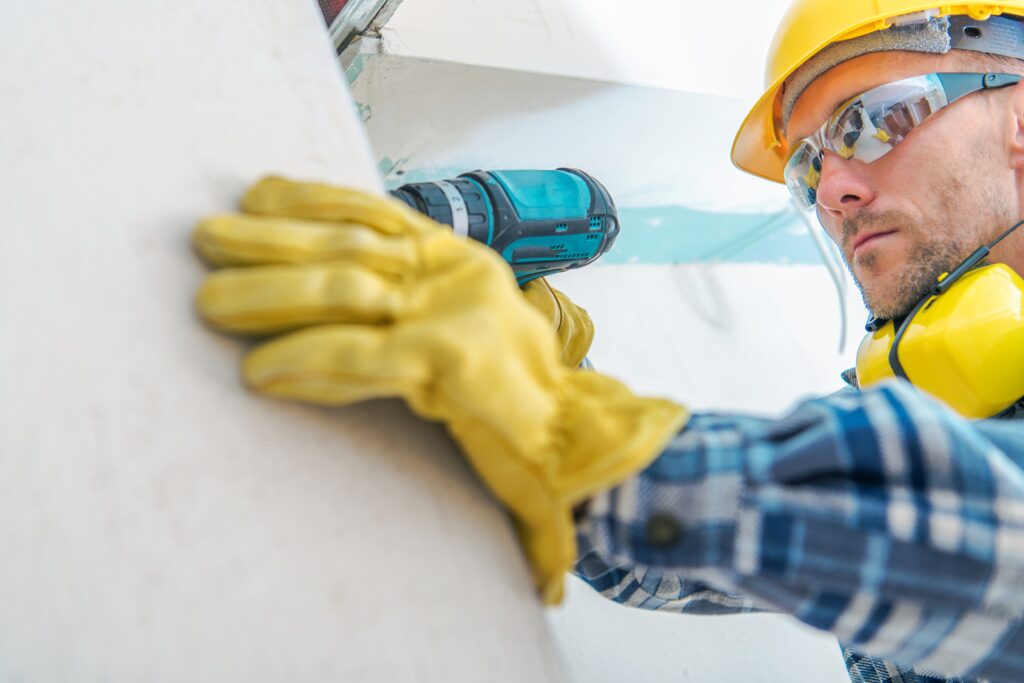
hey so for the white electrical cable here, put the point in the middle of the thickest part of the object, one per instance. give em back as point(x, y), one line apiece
point(832, 265)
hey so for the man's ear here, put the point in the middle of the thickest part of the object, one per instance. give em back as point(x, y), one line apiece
point(1016, 139)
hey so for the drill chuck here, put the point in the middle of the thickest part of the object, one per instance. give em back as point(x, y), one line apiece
point(541, 222)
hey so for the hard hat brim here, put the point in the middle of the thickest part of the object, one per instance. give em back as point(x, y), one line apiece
point(756, 149)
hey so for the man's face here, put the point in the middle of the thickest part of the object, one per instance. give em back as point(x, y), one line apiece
point(904, 219)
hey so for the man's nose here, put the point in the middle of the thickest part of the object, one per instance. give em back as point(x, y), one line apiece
point(844, 188)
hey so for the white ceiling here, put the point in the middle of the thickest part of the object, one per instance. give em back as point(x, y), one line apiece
point(657, 43)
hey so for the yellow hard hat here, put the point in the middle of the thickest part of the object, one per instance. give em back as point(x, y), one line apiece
point(808, 28)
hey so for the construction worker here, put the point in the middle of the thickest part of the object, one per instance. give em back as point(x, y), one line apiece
point(891, 516)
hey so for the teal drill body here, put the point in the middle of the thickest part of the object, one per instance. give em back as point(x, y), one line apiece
point(541, 222)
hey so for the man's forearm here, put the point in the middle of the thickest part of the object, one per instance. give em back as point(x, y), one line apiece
point(879, 516)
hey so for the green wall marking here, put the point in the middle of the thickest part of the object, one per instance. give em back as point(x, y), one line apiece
point(355, 69)
point(677, 234)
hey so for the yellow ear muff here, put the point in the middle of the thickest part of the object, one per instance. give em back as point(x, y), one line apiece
point(964, 346)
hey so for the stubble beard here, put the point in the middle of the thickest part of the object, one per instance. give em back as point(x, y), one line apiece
point(925, 262)
point(935, 249)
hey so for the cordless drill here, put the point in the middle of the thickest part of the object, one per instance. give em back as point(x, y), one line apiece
point(541, 222)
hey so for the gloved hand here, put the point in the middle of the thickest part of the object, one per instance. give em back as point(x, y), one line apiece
point(572, 325)
point(384, 302)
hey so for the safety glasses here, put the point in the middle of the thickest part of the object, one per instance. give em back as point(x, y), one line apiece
point(867, 126)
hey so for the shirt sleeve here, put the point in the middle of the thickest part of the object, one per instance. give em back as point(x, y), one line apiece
point(880, 516)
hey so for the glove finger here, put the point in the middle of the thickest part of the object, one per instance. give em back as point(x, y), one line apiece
point(264, 299)
point(571, 323)
point(575, 331)
point(243, 240)
point(273, 196)
point(335, 365)
point(551, 548)
point(541, 296)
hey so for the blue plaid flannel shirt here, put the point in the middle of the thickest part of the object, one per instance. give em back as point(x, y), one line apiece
point(880, 516)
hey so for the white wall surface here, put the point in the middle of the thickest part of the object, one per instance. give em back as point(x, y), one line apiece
point(683, 45)
point(650, 146)
point(158, 523)
point(646, 96)
point(735, 337)
point(719, 336)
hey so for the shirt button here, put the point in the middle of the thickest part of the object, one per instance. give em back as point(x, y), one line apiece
point(662, 530)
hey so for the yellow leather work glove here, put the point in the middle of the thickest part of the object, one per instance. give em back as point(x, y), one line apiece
point(572, 325)
point(380, 301)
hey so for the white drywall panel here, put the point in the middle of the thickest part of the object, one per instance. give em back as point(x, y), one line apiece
point(728, 337)
point(157, 522)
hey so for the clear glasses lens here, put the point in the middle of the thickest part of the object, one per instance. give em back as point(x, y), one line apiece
point(861, 133)
point(802, 172)
point(846, 128)
point(865, 128)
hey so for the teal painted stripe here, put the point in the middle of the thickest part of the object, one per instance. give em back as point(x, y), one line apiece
point(676, 234)
point(672, 233)
point(355, 69)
